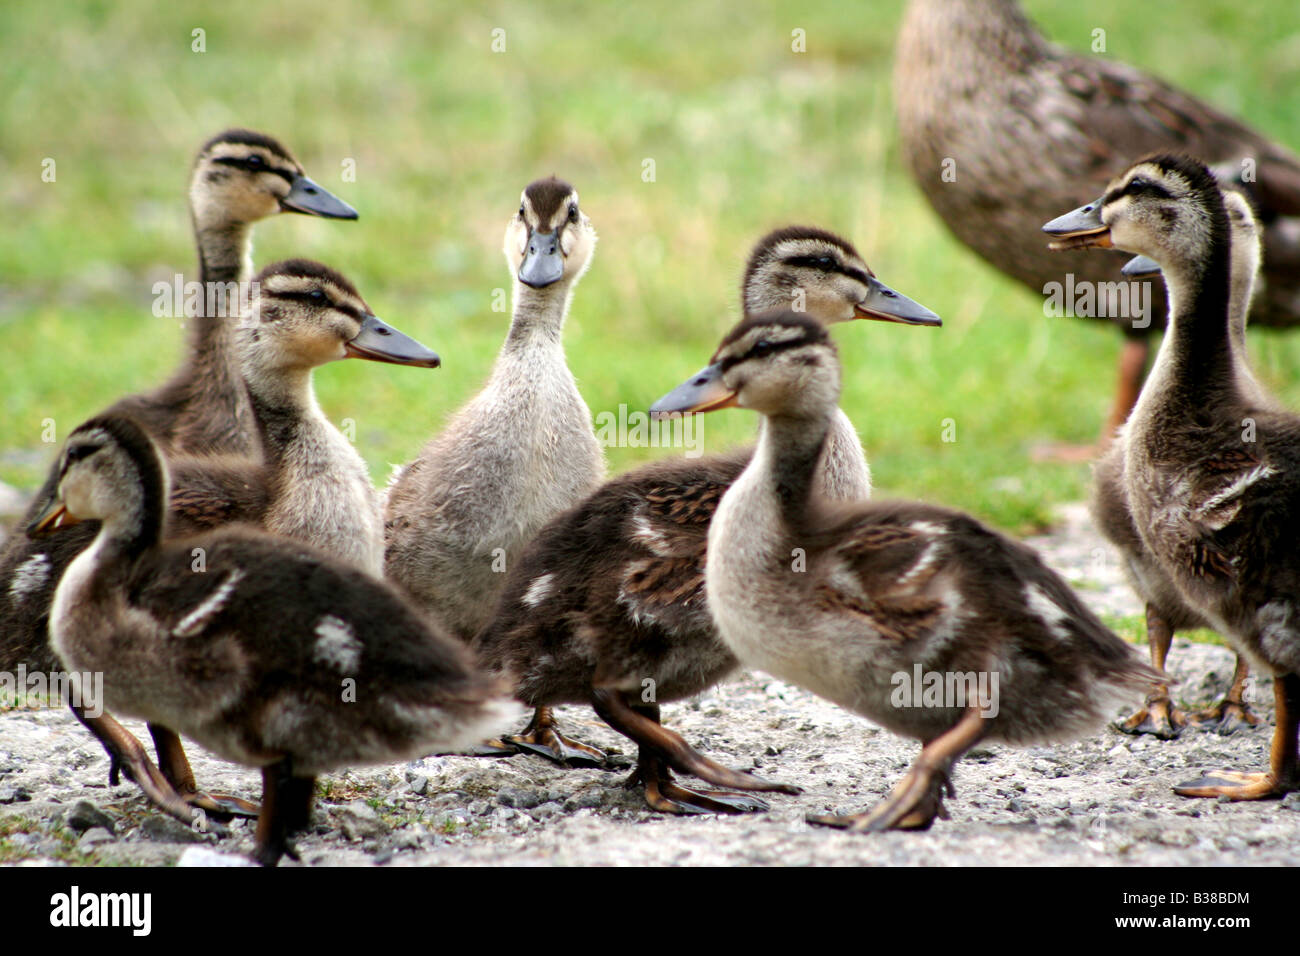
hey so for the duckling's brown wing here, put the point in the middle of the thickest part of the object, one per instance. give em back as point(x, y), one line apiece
point(209, 493)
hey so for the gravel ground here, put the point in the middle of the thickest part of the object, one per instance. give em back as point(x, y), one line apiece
point(1102, 801)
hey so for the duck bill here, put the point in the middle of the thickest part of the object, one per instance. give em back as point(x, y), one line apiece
point(543, 262)
point(1080, 228)
point(380, 342)
point(703, 392)
point(1140, 267)
point(312, 199)
point(54, 517)
point(883, 304)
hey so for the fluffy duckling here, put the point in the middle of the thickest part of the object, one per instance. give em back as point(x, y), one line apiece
point(854, 601)
point(517, 454)
point(274, 656)
point(309, 484)
point(1166, 610)
point(611, 593)
point(1211, 473)
point(239, 178)
point(1034, 129)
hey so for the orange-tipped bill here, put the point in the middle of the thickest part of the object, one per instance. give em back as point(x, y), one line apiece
point(1080, 228)
point(705, 391)
point(54, 517)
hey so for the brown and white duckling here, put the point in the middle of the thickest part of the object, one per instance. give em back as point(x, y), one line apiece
point(310, 483)
point(519, 453)
point(239, 177)
point(1166, 609)
point(611, 593)
point(1211, 472)
point(852, 601)
point(274, 656)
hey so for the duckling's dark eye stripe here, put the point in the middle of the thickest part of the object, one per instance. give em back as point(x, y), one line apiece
point(241, 162)
point(769, 348)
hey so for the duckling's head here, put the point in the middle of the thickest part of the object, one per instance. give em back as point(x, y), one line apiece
point(304, 314)
point(781, 364)
point(1166, 207)
point(109, 471)
point(816, 272)
point(1243, 226)
point(549, 240)
point(241, 176)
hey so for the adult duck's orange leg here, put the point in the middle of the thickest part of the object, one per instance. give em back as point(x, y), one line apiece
point(1159, 717)
point(542, 738)
point(286, 810)
point(175, 767)
point(662, 751)
point(1283, 775)
point(125, 753)
point(1232, 713)
point(918, 799)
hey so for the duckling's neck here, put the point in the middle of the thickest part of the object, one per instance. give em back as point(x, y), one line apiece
point(284, 403)
point(845, 475)
point(1196, 365)
point(786, 463)
point(538, 319)
point(225, 266)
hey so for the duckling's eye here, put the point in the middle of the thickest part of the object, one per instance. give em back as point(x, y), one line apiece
point(316, 294)
point(254, 163)
point(521, 210)
point(1136, 185)
point(573, 212)
point(761, 347)
point(78, 452)
point(825, 261)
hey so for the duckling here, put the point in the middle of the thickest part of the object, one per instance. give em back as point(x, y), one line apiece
point(611, 593)
point(856, 601)
point(239, 177)
point(1211, 474)
point(519, 453)
point(309, 483)
point(1034, 129)
point(276, 656)
point(1166, 610)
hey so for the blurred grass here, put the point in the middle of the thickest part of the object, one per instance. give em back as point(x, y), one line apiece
point(745, 135)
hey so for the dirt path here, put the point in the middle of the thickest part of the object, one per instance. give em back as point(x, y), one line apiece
point(1102, 801)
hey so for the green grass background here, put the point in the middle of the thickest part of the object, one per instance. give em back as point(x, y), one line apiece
point(745, 135)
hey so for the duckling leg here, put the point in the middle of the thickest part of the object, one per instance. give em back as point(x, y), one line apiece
point(1283, 775)
point(126, 753)
point(540, 737)
point(1232, 713)
point(654, 777)
point(286, 810)
point(175, 767)
point(918, 799)
point(1159, 717)
point(662, 749)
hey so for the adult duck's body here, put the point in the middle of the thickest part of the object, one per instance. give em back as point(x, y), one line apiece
point(850, 600)
point(1211, 471)
point(1166, 610)
point(239, 178)
point(1001, 130)
point(274, 655)
point(611, 593)
point(309, 483)
point(520, 452)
